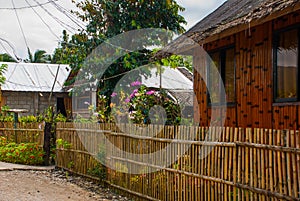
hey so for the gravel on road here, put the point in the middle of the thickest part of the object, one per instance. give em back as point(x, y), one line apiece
point(51, 186)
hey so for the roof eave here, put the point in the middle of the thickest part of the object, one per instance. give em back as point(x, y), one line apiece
point(244, 26)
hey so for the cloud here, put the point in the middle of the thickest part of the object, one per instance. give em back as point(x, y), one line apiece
point(195, 10)
point(201, 4)
point(38, 35)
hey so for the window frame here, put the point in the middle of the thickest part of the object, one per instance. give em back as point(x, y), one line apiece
point(80, 101)
point(222, 59)
point(276, 36)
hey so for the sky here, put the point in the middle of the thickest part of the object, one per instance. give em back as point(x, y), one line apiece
point(40, 26)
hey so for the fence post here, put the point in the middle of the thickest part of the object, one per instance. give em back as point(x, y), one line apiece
point(47, 141)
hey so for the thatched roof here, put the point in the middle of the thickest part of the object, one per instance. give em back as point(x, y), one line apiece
point(231, 14)
point(236, 12)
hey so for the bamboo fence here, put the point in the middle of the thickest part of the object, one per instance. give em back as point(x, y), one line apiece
point(244, 164)
point(23, 132)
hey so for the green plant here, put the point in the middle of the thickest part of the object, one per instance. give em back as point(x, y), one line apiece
point(98, 171)
point(103, 109)
point(60, 118)
point(24, 153)
point(142, 101)
point(71, 164)
point(60, 143)
point(67, 174)
point(52, 117)
point(52, 153)
point(47, 116)
point(3, 141)
point(6, 116)
point(28, 119)
point(3, 68)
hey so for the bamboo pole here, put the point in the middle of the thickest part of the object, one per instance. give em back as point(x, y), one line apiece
point(223, 173)
point(263, 158)
point(251, 163)
point(247, 174)
point(239, 164)
point(235, 165)
point(298, 163)
point(279, 164)
point(289, 165)
point(284, 165)
point(259, 165)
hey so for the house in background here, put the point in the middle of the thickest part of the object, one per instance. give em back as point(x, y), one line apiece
point(29, 85)
point(255, 46)
point(178, 82)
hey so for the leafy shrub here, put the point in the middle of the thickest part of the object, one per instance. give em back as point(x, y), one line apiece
point(24, 153)
point(98, 171)
point(5, 116)
point(60, 143)
point(142, 101)
point(3, 141)
point(47, 116)
point(28, 119)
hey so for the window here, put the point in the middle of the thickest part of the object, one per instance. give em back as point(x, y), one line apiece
point(223, 60)
point(286, 66)
point(82, 103)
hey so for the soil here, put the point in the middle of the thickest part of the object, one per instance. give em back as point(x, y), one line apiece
point(51, 185)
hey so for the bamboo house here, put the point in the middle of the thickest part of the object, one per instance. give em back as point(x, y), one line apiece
point(255, 46)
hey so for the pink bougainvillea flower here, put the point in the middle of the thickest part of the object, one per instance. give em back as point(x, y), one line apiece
point(150, 92)
point(136, 83)
point(133, 93)
point(127, 100)
point(113, 94)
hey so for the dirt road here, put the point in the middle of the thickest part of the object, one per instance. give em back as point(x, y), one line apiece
point(50, 185)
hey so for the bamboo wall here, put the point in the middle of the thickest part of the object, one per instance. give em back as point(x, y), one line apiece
point(23, 133)
point(244, 164)
point(254, 105)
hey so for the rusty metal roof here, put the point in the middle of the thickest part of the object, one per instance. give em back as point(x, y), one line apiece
point(34, 77)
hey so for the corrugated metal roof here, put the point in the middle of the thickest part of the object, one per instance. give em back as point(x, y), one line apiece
point(177, 83)
point(172, 79)
point(34, 77)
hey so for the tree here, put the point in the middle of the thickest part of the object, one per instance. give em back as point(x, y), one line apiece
point(39, 56)
point(106, 19)
point(3, 68)
point(70, 51)
point(110, 18)
point(7, 58)
point(175, 61)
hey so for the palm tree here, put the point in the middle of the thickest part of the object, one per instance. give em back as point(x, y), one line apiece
point(7, 58)
point(39, 56)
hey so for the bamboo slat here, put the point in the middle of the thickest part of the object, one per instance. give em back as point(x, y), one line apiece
point(244, 164)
